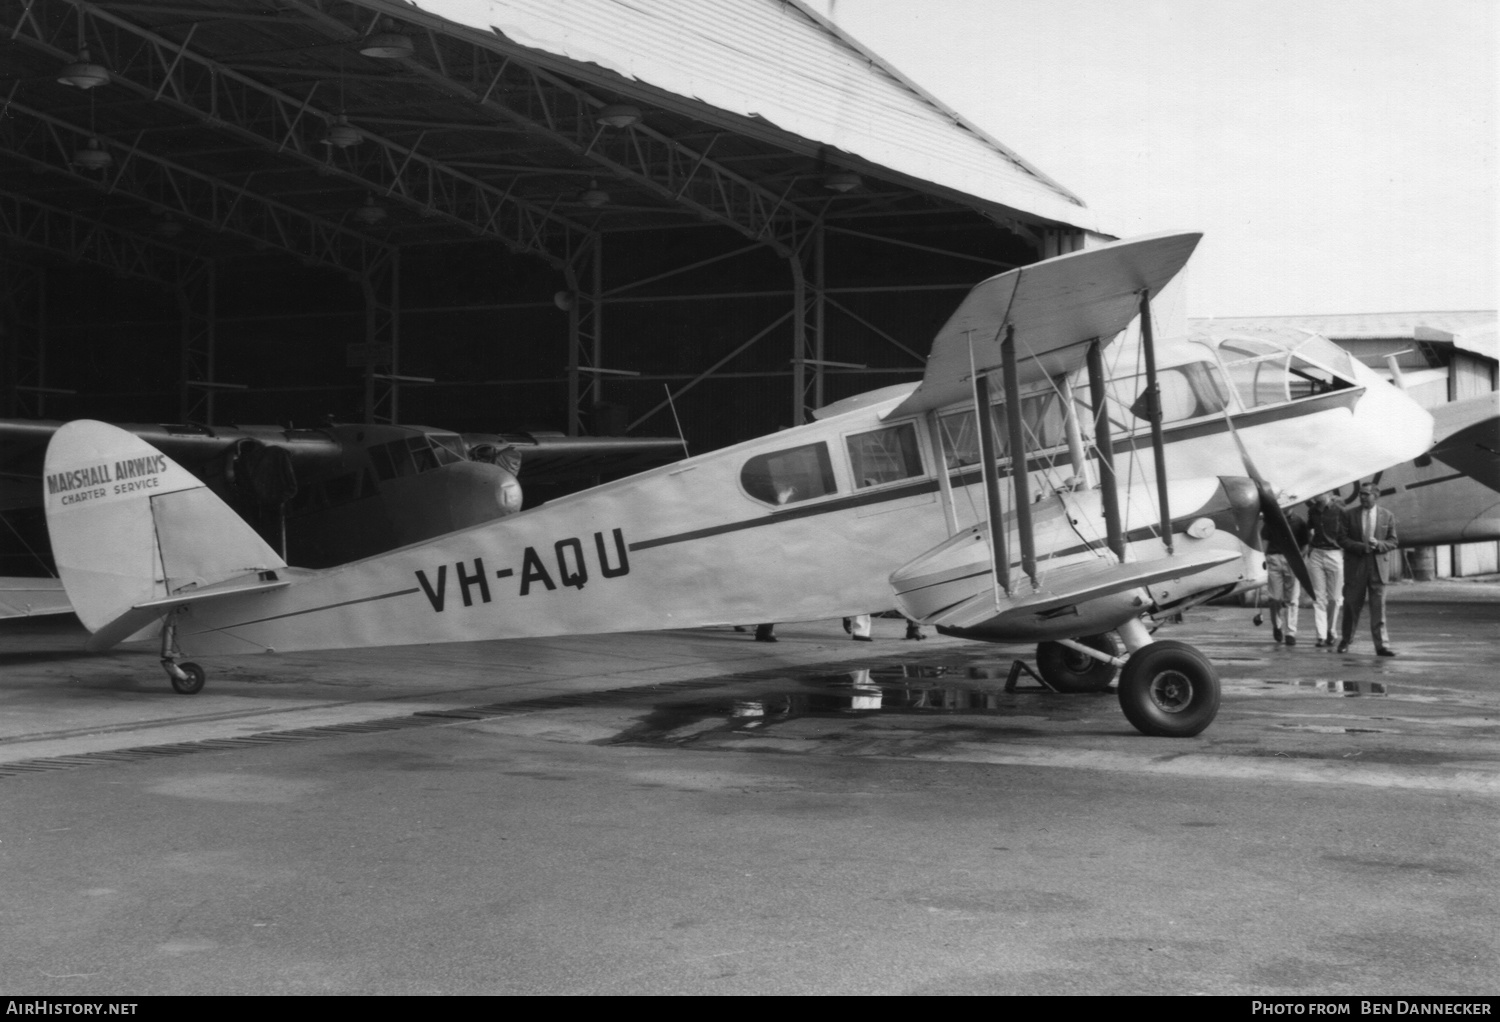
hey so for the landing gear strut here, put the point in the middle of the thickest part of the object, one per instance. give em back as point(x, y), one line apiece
point(1068, 669)
point(186, 677)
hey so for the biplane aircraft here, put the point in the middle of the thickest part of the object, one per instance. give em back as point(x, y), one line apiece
point(982, 513)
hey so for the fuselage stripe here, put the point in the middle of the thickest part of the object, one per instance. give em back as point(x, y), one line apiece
point(327, 606)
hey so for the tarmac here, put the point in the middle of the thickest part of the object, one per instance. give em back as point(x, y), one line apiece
point(696, 812)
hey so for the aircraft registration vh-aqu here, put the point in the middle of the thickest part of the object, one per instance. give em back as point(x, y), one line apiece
point(1035, 511)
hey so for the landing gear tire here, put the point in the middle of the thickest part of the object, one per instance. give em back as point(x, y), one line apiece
point(1068, 670)
point(192, 683)
point(1169, 690)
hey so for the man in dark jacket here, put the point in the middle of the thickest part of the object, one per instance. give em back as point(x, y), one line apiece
point(1370, 534)
point(1284, 593)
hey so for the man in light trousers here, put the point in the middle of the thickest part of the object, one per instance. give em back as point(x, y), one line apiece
point(1325, 563)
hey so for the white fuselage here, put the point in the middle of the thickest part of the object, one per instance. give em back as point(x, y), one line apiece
point(705, 541)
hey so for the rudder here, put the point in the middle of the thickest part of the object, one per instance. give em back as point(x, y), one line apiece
point(128, 524)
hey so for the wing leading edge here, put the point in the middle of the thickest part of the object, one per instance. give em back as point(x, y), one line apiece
point(1055, 306)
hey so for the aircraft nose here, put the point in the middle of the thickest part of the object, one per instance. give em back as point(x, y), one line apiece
point(507, 493)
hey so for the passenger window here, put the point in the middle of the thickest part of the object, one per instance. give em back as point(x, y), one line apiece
point(786, 477)
point(961, 441)
point(1043, 419)
point(884, 455)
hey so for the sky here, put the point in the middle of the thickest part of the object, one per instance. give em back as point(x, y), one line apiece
point(1340, 156)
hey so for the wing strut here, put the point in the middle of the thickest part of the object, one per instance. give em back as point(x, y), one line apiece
point(1109, 484)
point(988, 458)
point(1020, 473)
point(1153, 408)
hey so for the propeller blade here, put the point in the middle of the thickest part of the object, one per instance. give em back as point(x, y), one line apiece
point(1278, 530)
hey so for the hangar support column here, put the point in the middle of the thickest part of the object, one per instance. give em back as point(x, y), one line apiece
point(804, 255)
point(381, 350)
point(195, 301)
point(585, 333)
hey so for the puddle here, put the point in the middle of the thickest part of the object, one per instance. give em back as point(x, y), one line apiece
point(899, 688)
point(1312, 686)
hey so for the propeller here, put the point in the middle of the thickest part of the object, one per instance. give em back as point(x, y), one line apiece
point(1279, 536)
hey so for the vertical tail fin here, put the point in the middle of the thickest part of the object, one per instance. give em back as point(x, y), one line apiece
point(129, 525)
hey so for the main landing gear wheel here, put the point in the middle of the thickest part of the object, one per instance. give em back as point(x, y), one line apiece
point(1168, 689)
point(1068, 670)
point(192, 683)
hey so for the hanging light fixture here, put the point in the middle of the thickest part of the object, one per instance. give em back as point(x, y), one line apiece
point(83, 73)
point(387, 45)
point(595, 196)
point(618, 115)
point(93, 156)
point(370, 213)
point(341, 134)
point(841, 182)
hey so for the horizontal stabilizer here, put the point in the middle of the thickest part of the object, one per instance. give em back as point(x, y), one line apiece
point(32, 597)
point(142, 614)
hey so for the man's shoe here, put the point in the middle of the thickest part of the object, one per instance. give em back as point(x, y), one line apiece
point(1291, 640)
point(1321, 643)
point(763, 633)
point(1385, 651)
point(914, 632)
point(1343, 647)
point(862, 638)
point(848, 625)
point(1276, 633)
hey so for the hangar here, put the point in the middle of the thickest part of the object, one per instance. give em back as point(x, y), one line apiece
point(597, 217)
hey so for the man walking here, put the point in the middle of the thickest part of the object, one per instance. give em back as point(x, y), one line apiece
point(1284, 592)
point(1325, 563)
point(1370, 533)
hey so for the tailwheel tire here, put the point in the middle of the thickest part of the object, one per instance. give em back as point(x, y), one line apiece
point(1068, 670)
point(1169, 690)
point(192, 683)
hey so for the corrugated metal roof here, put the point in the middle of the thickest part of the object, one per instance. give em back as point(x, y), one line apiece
point(779, 61)
point(1472, 331)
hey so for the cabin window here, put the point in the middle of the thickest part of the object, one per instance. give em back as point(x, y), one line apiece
point(1258, 370)
point(884, 455)
point(405, 457)
point(449, 448)
point(1187, 392)
point(1042, 417)
point(786, 477)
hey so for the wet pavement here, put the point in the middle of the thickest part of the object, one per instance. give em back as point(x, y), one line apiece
point(697, 812)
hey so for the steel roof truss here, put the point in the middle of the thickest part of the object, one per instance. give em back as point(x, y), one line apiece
point(216, 94)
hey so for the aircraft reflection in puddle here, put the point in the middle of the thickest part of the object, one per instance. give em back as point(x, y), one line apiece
point(892, 688)
point(1325, 686)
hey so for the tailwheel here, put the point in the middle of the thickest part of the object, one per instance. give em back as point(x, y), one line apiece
point(192, 680)
point(1168, 689)
point(1068, 670)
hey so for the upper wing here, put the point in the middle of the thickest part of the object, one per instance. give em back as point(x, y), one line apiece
point(554, 459)
point(1055, 307)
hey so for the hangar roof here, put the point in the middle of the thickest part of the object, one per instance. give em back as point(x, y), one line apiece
point(782, 63)
point(205, 128)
